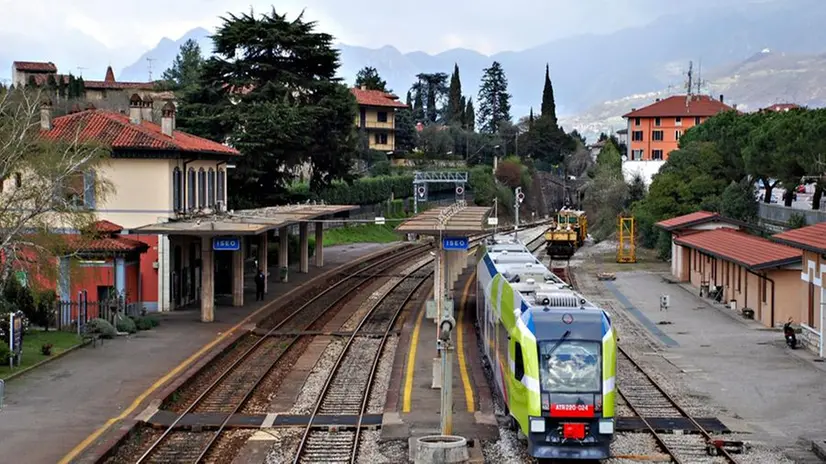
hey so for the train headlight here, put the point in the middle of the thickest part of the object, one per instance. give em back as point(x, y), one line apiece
point(537, 425)
point(606, 426)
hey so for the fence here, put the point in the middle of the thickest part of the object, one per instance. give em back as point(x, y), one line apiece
point(778, 216)
point(69, 313)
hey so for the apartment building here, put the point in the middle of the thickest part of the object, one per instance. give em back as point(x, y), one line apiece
point(377, 117)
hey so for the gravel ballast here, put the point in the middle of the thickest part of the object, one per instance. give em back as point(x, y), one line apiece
point(318, 376)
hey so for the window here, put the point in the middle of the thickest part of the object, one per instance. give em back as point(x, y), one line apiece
point(177, 189)
point(636, 155)
point(678, 134)
point(190, 189)
point(763, 289)
point(221, 184)
point(657, 136)
point(657, 154)
point(678, 121)
point(636, 136)
point(211, 188)
point(381, 116)
point(697, 121)
point(570, 366)
point(657, 122)
point(201, 188)
point(381, 139)
point(637, 121)
point(73, 190)
point(518, 362)
point(811, 322)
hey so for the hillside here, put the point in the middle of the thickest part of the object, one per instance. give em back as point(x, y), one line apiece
point(757, 82)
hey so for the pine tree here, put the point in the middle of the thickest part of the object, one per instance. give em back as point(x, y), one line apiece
point(185, 70)
point(548, 103)
point(470, 116)
point(368, 77)
point(430, 89)
point(409, 101)
point(494, 100)
point(455, 108)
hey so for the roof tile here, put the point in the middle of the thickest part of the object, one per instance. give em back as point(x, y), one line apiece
point(376, 98)
point(698, 105)
point(742, 248)
point(116, 131)
point(811, 237)
point(35, 66)
point(698, 217)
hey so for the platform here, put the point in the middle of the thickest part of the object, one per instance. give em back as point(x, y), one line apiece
point(51, 410)
point(413, 407)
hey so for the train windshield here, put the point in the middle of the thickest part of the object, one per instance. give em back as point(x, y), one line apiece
point(570, 366)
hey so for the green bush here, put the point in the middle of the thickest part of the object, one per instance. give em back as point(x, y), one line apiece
point(101, 327)
point(5, 353)
point(796, 221)
point(143, 323)
point(364, 191)
point(153, 320)
point(126, 324)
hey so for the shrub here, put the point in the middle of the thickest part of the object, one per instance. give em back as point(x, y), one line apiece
point(44, 309)
point(5, 353)
point(796, 221)
point(126, 324)
point(143, 323)
point(101, 327)
point(46, 349)
point(153, 320)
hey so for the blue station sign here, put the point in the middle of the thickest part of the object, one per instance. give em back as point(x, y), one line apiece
point(226, 243)
point(455, 243)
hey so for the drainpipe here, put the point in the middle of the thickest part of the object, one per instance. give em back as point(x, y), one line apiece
point(759, 297)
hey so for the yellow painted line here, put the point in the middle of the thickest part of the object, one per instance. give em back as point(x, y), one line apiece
point(460, 348)
point(411, 362)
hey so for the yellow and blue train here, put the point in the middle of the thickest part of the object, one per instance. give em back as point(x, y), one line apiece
point(552, 353)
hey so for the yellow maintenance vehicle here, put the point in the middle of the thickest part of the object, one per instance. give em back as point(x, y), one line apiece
point(567, 235)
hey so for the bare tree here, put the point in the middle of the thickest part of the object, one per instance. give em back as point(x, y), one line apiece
point(46, 179)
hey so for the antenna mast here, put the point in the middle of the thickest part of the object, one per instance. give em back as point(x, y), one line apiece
point(81, 68)
point(690, 84)
point(150, 60)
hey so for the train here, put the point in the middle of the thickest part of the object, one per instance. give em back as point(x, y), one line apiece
point(567, 234)
point(552, 353)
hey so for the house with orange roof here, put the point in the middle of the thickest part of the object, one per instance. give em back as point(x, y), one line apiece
point(159, 174)
point(377, 117)
point(811, 240)
point(655, 130)
point(743, 271)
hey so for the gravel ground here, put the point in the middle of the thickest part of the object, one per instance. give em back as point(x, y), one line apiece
point(378, 394)
point(261, 399)
point(228, 445)
point(284, 446)
point(373, 452)
point(136, 444)
point(318, 376)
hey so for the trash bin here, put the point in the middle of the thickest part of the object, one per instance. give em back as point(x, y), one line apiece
point(283, 274)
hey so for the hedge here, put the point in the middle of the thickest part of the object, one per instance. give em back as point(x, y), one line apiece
point(364, 191)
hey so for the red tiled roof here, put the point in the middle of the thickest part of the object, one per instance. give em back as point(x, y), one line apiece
point(811, 238)
point(104, 244)
point(686, 220)
point(698, 105)
point(741, 248)
point(111, 85)
point(778, 107)
point(35, 66)
point(116, 131)
point(376, 98)
point(106, 227)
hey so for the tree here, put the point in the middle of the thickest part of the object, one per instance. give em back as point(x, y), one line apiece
point(494, 99)
point(548, 104)
point(186, 69)
point(406, 135)
point(62, 88)
point(738, 202)
point(51, 83)
point(368, 77)
point(470, 116)
point(430, 89)
point(271, 91)
point(52, 178)
point(610, 158)
point(32, 82)
point(455, 105)
point(731, 132)
point(636, 190)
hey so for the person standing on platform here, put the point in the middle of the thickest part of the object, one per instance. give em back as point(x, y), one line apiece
point(259, 285)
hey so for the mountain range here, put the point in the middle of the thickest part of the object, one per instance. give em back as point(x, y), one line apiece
point(591, 73)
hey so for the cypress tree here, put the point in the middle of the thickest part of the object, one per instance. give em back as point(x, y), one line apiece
point(463, 112)
point(548, 104)
point(470, 115)
point(409, 100)
point(530, 119)
point(454, 102)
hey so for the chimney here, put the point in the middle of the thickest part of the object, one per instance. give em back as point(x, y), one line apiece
point(146, 109)
point(46, 114)
point(168, 119)
point(363, 87)
point(135, 107)
point(721, 99)
point(110, 75)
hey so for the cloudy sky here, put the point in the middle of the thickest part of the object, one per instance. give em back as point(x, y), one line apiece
point(430, 25)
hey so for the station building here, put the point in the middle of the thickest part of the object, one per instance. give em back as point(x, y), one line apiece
point(745, 272)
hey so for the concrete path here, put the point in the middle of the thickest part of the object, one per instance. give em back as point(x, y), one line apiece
point(54, 408)
point(736, 363)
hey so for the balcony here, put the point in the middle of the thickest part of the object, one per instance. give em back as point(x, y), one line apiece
point(379, 125)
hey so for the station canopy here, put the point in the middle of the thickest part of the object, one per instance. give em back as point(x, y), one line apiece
point(449, 220)
point(243, 222)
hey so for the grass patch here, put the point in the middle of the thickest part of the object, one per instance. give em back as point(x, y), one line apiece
point(367, 233)
point(32, 342)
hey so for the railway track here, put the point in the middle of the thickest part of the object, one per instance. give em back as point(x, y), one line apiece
point(646, 399)
point(347, 389)
point(229, 392)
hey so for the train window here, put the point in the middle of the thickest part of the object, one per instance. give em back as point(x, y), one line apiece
point(572, 366)
point(519, 363)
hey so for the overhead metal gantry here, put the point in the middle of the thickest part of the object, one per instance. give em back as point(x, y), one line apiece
point(421, 179)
